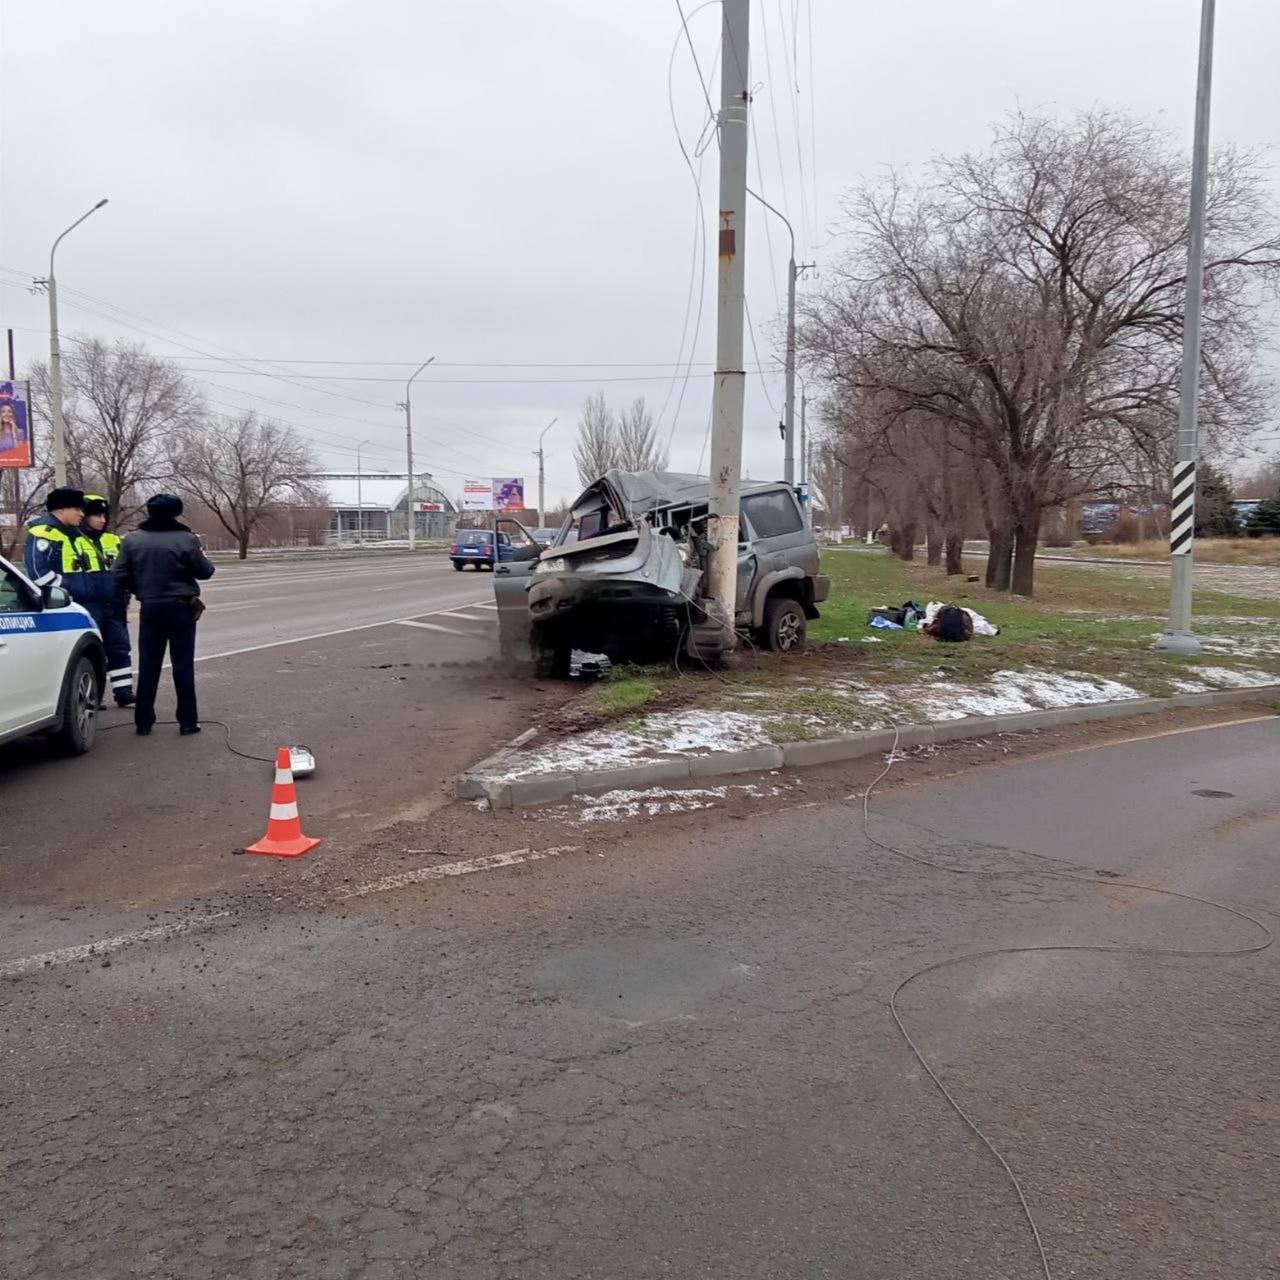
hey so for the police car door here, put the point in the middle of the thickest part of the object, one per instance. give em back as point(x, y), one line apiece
point(25, 669)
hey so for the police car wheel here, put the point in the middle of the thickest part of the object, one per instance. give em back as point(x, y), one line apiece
point(79, 708)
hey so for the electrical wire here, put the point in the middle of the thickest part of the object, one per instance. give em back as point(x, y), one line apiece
point(1081, 877)
point(793, 95)
point(773, 111)
point(222, 724)
point(751, 329)
point(813, 123)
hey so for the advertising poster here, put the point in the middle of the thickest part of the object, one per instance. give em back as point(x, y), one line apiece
point(508, 493)
point(477, 495)
point(16, 449)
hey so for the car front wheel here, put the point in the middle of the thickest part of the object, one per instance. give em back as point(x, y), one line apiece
point(784, 625)
point(79, 708)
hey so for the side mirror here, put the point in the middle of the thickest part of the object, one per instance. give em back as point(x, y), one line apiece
point(55, 598)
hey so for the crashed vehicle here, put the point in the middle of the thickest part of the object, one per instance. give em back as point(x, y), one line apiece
point(626, 574)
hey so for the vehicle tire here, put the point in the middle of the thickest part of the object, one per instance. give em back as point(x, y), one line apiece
point(457, 564)
point(80, 696)
point(785, 625)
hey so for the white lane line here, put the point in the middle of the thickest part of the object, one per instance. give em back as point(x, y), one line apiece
point(463, 617)
point(486, 606)
point(105, 946)
point(318, 635)
point(432, 626)
point(464, 867)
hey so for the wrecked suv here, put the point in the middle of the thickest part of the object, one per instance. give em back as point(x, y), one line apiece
point(625, 575)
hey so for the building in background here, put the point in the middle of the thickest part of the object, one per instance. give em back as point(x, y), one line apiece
point(374, 505)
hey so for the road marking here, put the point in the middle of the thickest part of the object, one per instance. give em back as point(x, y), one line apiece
point(432, 626)
point(105, 946)
point(318, 635)
point(486, 606)
point(464, 867)
point(461, 617)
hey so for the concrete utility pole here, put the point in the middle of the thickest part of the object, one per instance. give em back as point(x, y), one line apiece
point(730, 383)
point(804, 462)
point(360, 494)
point(1178, 638)
point(794, 272)
point(406, 405)
point(542, 474)
point(55, 358)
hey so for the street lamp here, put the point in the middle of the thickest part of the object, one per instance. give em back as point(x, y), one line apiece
point(789, 408)
point(542, 494)
point(55, 359)
point(1178, 637)
point(408, 453)
point(360, 494)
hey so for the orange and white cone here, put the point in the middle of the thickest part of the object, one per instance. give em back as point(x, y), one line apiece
point(284, 838)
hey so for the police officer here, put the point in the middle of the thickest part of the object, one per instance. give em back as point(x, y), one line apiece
point(161, 563)
point(55, 555)
point(111, 612)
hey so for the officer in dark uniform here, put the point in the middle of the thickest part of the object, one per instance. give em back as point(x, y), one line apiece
point(162, 564)
point(55, 555)
point(111, 614)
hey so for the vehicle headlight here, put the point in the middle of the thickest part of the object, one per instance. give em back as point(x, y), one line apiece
point(556, 565)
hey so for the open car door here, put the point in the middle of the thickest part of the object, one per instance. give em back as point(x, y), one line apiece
point(516, 552)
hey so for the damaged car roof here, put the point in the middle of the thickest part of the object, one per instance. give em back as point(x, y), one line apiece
point(633, 493)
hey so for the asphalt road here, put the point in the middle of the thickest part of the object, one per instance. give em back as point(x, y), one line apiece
point(669, 1052)
point(386, 667)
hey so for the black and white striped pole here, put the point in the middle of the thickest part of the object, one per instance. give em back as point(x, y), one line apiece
point(1178, 638)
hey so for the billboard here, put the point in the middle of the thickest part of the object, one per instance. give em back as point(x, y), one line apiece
point(508, 493)
point(477, 495)
point(16, 449)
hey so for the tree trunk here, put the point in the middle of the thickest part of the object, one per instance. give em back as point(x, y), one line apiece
point(954, 546)
point(1026, 540)
point(999, 559)
point(905, 534)
point(242, 544)
point(933, 545)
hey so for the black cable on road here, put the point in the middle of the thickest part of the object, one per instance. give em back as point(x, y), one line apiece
point(1268, 937)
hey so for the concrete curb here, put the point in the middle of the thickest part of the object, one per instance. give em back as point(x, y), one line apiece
point(478, 782)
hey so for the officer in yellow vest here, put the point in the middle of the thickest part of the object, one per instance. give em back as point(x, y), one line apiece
point(54, 555)
point(111, 615)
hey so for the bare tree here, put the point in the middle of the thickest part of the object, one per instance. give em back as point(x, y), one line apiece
point(243, 470)
point(597, 448)
point(123, 410)
point(1029, 299)
point(637, 442)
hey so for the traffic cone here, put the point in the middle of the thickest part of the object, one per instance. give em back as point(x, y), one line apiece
point(284, 838)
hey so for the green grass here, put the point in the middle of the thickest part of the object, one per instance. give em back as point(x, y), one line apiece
point(623, 695)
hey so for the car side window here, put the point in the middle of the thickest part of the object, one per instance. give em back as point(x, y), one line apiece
point(14, 597)
point(772, 515)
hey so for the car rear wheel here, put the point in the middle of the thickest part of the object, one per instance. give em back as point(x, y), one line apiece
point(79, 708)
point(457, 564)
point(784, 625)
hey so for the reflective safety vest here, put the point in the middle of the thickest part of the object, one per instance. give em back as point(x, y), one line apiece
point(78, 554)
point(109, 546)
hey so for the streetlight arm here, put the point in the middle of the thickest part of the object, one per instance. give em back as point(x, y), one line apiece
point(70, 229)
point(545, 429)
point(786, 221)
point(415, 373)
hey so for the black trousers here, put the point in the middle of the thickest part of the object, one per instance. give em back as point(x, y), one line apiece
point(166, 624)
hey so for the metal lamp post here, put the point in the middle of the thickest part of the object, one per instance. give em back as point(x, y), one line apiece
point(360, 494)
point(1178, 638)
point(406, 405)
point(789, 407)
point(55, 358)
point(542, 475)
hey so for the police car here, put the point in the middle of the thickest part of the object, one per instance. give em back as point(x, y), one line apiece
point(52, 664)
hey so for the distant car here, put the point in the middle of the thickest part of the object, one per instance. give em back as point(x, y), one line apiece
point(477, 547)
point(544, 537)
point(52, 664)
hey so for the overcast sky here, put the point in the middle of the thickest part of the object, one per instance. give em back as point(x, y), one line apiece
point(499, 184)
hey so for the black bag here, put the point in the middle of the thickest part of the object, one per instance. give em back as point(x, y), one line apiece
point(951, 624)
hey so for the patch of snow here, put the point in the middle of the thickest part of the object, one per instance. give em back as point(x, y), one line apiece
point(1013, 692)
point(482, 804)
point(1237, 677)
point(657, 736)
point(652, 802)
